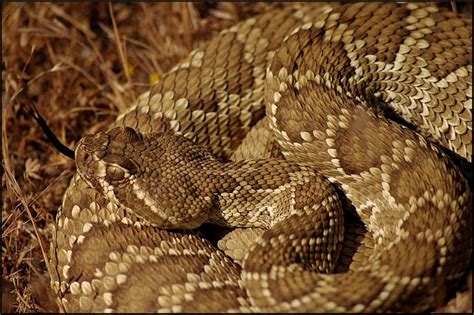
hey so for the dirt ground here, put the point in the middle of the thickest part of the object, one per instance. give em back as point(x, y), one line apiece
point(82, 64)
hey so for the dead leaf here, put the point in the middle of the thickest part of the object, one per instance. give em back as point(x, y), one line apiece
point(32, 167)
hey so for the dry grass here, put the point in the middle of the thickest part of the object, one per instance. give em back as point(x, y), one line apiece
point(81, 64)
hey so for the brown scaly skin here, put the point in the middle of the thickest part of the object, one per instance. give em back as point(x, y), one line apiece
point(322, 94)
point(172, 183)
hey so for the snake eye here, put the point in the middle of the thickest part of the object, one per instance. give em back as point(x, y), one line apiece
point(101, 154)
point(128, 166)
point(115, 173)
point(120, 161)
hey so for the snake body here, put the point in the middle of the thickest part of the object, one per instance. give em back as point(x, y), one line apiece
point(327, 78)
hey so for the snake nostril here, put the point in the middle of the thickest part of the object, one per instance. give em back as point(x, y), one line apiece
point(86, 156)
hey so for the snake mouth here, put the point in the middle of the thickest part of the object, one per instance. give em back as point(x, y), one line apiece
point(88, 154)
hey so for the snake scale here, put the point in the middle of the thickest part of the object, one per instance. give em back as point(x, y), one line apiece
point(283, 122)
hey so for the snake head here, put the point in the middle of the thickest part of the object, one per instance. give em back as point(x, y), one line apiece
point(102, 159)
point(145, 173)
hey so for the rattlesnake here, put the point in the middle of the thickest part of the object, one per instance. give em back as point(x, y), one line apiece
point(327, 76)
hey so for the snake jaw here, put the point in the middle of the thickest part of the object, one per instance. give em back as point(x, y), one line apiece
point(88, 151)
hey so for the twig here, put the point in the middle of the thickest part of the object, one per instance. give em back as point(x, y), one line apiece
point(119, 45)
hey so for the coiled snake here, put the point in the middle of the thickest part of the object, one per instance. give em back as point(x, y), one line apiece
point(330, 79)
